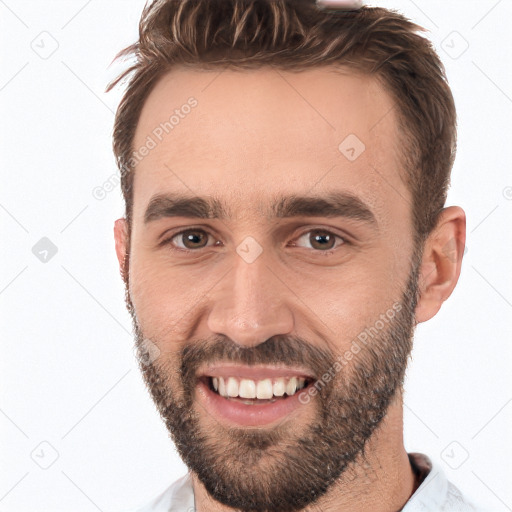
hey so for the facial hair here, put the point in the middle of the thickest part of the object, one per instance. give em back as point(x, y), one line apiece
point(281, 469)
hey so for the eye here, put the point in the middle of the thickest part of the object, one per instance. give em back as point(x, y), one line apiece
point(189, 239)
point(192, 239)
point(321, 239)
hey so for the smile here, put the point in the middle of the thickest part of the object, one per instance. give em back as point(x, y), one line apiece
point(251, 395)
point(232, 387)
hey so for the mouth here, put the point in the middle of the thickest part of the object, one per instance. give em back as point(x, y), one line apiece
point(251, 395)
point(253, 392)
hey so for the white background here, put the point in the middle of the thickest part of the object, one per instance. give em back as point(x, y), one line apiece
point(68, 373)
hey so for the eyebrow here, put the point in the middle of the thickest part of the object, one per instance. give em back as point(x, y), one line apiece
point(332, 204)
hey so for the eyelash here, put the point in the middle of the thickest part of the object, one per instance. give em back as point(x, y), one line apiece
point(168, 241)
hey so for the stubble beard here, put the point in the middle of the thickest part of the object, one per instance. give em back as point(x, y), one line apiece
point(286, 468)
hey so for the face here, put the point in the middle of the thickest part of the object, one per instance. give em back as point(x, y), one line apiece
point(274, 315)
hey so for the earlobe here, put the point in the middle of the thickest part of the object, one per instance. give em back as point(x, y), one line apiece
point(441, 262)
point(121, 242)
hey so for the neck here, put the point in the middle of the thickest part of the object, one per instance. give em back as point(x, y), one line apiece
point(381, 481)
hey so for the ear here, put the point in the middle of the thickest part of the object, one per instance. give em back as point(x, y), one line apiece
point(441, 262)
point(121, 237)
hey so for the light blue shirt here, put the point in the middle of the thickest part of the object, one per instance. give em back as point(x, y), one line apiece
point(434, 494)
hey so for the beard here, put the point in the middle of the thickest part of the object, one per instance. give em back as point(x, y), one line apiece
point(289, 466)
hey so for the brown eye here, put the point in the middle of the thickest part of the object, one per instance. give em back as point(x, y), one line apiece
point(321, 239)
point(191, 239)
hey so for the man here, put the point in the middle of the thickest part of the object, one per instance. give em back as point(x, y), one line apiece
point(285, 167)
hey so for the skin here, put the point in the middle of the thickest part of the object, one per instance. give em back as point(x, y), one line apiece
point(253, 135)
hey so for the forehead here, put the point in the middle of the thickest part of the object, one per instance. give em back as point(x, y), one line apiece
point(246, 136)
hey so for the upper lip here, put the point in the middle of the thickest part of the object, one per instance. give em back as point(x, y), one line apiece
point(257, 372)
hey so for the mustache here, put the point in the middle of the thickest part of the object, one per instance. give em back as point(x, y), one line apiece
point(278, 350)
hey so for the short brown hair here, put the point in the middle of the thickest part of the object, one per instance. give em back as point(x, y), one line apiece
point(295, 35)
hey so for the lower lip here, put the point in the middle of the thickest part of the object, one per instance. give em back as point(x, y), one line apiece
point(233, 411)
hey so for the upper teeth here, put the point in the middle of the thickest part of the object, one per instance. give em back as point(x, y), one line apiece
point(266, 388)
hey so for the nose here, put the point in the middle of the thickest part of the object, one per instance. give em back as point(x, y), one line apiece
point(250, 304)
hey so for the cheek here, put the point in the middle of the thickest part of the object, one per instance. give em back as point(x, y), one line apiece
point(164, 299)
point(352, 300)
